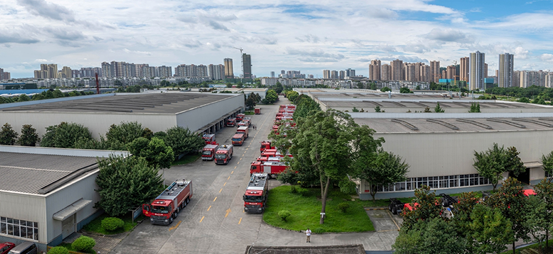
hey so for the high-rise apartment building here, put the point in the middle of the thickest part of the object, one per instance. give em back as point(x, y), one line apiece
point(326, 74)
point(66, 72)
point(342, 75)
point(216, 72)
point(435, 71)
point(506, 68)
point(229, 72)
point(397, 70)
point(477, 70)
point(375, 70)
point(485, 70)
point(334, 75)
point(272, 74)
point(464, 69)
point(350, 72)
point(452, 72)
point(425, 73)
point(247, 68)
point(386, 73)
point(417, 71)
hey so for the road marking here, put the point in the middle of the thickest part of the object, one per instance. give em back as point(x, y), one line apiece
point(231, 172)
point(247, 148)
point(220, 190)
point(202, 219)
point(225, 182)
point(239, 221)
point(228, 178)
point(208, 208)
point(214, 199)
point(228, 211)
point(237, 163)
point(176, 226)
point(235, 167)
point(241, 158)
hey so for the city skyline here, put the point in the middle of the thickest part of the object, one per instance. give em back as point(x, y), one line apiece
point(82, 34)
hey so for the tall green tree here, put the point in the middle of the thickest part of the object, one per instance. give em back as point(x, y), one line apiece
point(547, 161)
point(65, 135)
point(536, 219)
point(251, 101)
point(23, 97)
point(323, 145)
point(544, 191)
point(154, 151)
point(434, 236)
point(8, 136)
point(513, 163)
point(126, 183)
point(438, 109)
point(491, 164)
point(381, 170)
point(511, 201)
point(271, 97)
point(490, 231)
point(183, 141)
point(28, 137)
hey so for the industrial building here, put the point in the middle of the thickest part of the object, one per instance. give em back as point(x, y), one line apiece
point(199, 112)
point(47, 194)
point(439, 147)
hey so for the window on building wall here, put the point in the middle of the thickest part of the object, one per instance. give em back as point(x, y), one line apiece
point(19, 228)
point(453, 181)
point(437, 182)
point(422, 181)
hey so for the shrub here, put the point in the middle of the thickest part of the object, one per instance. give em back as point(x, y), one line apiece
point(58, 250)
point(293, 189)
point(343, 207)
point(112, 223)
point(83, 243)
point(318, 230)
point(284, 214)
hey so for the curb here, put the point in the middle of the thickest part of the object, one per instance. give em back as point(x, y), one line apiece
point(375, 208)
point(303, 231)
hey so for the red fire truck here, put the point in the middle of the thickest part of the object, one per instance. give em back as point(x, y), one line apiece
point(255, 198)
point(208, 152)
point(257, 111)
point(243, 123)
point(224, 154)
point(268, 159)
point(166, 207)
point(238, 139)
point(240, 116)
point(209, 138)
point(266, 145)
point(231, 122)
point(271, 168)
point(244, 130)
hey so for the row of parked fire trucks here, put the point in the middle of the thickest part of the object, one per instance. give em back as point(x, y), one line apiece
point(266, 166)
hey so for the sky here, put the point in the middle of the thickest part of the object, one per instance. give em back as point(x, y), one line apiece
point(306, 35)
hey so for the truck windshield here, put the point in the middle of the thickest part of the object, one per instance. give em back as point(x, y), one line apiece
point(236, 139)
point(253, 198)
point(220, 156)
point(206, 152)
point(160, 209)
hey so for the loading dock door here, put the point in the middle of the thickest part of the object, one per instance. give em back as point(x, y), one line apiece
point(68, 226)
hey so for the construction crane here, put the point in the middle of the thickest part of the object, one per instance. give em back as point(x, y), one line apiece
point(242, 61)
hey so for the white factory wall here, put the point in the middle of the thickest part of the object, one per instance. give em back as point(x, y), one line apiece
point(97, 123)
point(81, 188)
point(198, 117)
point(441, 154)
point(23, 206)
point(369, 108)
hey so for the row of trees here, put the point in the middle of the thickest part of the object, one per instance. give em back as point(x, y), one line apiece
point(49, 94)
point(8, 136)
point(251, 100)
point(329, 148)
point(477, 226)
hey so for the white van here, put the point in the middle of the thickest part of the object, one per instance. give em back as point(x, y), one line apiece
point(24, 248)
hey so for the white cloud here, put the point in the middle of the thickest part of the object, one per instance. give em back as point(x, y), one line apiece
point(547, 57)
point(521, 53)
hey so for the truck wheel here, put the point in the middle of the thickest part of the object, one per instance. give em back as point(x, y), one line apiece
point(394, 210)
point(187, 200)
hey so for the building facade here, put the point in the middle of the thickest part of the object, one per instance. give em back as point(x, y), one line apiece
point(247, 65)
point(229, 71)
point(506, 68)
point(477, 70)
point(375, 70)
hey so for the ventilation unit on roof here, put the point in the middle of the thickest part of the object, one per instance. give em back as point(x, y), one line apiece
point(445, 124)
point(479, 124)
point(406, 124)
point(533, 121)
point(506, 122)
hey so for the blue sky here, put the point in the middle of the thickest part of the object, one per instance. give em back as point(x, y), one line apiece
point(306, 35)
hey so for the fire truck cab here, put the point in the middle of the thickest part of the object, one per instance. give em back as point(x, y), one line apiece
point(240, 116)
point(255, 198)
point(209, 138)
point(265, 145)
point(231, 122)
point(166, 207)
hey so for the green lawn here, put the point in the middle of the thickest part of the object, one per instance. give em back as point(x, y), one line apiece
point(95, 226)
point(68, 247)
point(249, 113)
point(305, 208)
point(189, 158)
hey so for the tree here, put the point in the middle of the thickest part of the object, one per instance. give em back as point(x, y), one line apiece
point(511, 201)
point(229, 85)
point(118, 136)
point(432, 236)
point(405, 90)
point(28, 137)
point(278, 88)
point(154, 151)
point(490, 231)
point(438, 109)
point(513, 163)
point(547, 161)
point(354, 109)
point(373, 86)
point(544, 191)
point(7, 135)
point(418, 87)
point(322, 145)
point(292, 95)
point(491, 164)
point(183, 141)
point(425, 207)
point(474, 108)
point(24, 97)
point(250, 101)
point(385, 89)
point(387, 168)
point(271, 97)
point(65, 135)
point(377, 109)
point(130, 178)
point(536, 219)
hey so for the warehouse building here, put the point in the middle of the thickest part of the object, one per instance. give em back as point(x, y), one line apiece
point(199, 112)
point(47, 194)
point(439, 147)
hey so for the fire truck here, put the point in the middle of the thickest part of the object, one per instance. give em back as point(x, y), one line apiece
point(289, 106)
point(244, 130)
point(255, 198)
point(209, 138)
point(257, 111)
point(208, 152)
point(266, 145)
point(247, 120)
point(243, 123)
point(240, 116)
point(263, 159)
point(273, 153)
point(166, 207)
point(271, 168)
point(231, 122)
point(238, 139)
point(224, 154)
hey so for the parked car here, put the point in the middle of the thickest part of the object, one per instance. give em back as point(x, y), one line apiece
point(24, 248)
point(6, 247)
